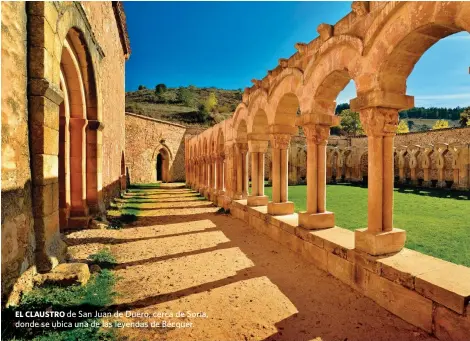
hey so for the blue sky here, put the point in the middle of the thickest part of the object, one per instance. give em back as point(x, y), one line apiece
point(226, 44)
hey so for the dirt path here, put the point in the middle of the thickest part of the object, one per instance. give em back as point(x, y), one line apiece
point(180, 255)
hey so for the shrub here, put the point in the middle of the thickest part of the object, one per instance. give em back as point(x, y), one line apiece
point(160, 89)
point(185, 96)
point(104, 258)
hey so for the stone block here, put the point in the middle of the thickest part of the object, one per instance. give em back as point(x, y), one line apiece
point(315, 254)
point(316, 221)
point(450, 326)
point(364, 260)
point(257, 200)
point(65, 274)
point(405, 265)
point(405, 303)
point(448, 285)
point(45, 169)
point(336, 240)
point(280, 208)
point(43, 203)
point(379, 244)
point(340, 268)
point(309, 236)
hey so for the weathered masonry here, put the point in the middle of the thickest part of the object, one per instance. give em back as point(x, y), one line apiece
point(62, 111)
point(376, 45)
point(154, 149)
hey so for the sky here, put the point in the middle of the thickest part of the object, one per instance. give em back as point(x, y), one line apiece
point(226, 44)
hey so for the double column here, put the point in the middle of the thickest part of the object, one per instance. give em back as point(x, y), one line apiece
point(380, 124)
point(257, 150)
point(280, 140)
point(242, 171)
point(317, 130)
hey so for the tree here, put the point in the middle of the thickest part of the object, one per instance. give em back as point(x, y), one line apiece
point(465, 118)
point(351, 123)
point(411, 124)
point(440, 124)
point(211, 102)
point(341, 107)
point(160, 89)
point(402, 127)
point(185, 96)
point(142, 87)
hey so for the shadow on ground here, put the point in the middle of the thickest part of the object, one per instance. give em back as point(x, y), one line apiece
point(191, 259)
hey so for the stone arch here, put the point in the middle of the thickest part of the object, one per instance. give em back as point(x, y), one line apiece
point(50, 52)
point(328, 75)
point(363, 165)
point(405, 36)
point(241, 113)
point(162, 164)
point(241, 131)
point(284, 98)
point(257, 117)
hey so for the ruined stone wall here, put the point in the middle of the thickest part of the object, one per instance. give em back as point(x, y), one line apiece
point(145, 137)
point(450, 135)
point(111, 92)
point(17, 218)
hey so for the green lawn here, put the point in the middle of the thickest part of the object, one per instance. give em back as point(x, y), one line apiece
point(437, 222)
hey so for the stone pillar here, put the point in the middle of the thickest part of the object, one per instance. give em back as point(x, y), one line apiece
point(280, 145)
point(440, 164)
point(316, 216)
point(242, 171)
point(402, 151)
point(413, 152)
point(79, 207)
point(257, 150)
point(94, 167)
point(329, 163)
point(426, 164)
point(380, 237)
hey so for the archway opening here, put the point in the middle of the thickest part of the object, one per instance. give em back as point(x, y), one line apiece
point(162, 166)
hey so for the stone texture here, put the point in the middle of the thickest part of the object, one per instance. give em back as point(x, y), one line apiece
point(448, 285)
point(449, 326)
point(65, 274)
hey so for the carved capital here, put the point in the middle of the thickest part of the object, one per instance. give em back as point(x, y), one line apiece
point(325, 31)
point(283, 62)
point(280, 141)
point(379, 121)
point(242, 147)
point(317, 133)
point(301, 47)
point(360, 8)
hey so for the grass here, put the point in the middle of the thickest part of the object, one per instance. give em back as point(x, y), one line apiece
point(96, 295)
point(104, 258)
point(437, 222)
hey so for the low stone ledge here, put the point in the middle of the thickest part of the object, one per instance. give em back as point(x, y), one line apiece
point(448, 285)
point(402, 267)
point(425, 291)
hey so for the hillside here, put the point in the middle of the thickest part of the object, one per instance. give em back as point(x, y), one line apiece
point(183, 105)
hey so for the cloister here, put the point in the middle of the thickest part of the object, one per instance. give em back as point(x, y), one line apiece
point(376, 46)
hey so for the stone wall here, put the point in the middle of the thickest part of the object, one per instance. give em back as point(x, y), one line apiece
point(110, 78)
point(145, 139)
point(17, 218)
point(35, 35)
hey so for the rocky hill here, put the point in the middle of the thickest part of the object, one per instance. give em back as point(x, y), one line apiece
point(184, 105)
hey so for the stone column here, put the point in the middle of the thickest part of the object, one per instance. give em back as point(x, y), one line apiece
point(79, 206)
point(94, 166)
point(257, 150)
point(380, 237)
point(402, 150)
point(413, 153)
point(242, 171)
point(329, 163)
point(426, 159)
point(280, 145)
point(440, 164)
point(316, 216)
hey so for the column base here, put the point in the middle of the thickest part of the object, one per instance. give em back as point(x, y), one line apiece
point(316, 221)
point(257, 200)
point(426, 183)
point(237, 196)
point(441, 184)
point(280, 208)
point(381, 243)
